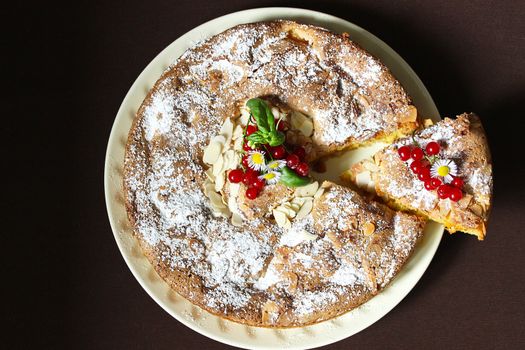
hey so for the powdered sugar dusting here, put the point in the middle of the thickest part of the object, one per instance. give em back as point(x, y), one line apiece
point(164, 173)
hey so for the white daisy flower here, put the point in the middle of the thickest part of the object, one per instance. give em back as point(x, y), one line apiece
point(445, 169)
point(271, 178)
point(256, 160)
point(276, 165)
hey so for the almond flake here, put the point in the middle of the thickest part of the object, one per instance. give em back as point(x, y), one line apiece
point(308, 190)
point(218, 166)
point(212, 152)
point(305, 210)
point(227, 130)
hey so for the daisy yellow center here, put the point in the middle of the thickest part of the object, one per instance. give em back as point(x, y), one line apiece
point(269, 176)
point(257, 158)
point(273, 165)
point(443, 170)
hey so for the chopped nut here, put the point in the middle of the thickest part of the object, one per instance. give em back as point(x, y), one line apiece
point(427, 123)
point(334, 239)
point(368, 228)
point(269, 312)
point(476, 209)
point(410, 115)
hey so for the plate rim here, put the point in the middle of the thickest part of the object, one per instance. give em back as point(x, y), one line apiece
point(274, 12)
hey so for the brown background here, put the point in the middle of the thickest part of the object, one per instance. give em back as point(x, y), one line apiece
point(66, 70)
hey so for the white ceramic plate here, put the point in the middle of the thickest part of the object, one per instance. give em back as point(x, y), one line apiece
point(199, 320)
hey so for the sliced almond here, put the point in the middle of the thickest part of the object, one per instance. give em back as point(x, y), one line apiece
point(362, 100)
point(222, 211)
point(209, 186)
point(219, 139)
point(292, 279)
point(236, 220)
point(371, 186)
point(209, 174)
point(237, 132)
point(368, 228)
point(212, 152)
point(307, 129)
point(476, 209)
point(302, 123)
point(370, 166)
point(410, 115)
point(299, 200)
point(245, 115)
point(319, 192)
point(281, 219)
point(227, 130)
point(363, 179)
point(219, 181)
point(308, 190)
point(307, 236)
point(234, 189)
point(218, 166)
point(465, 201)
point(305, 210)
point(269, 312)
point(233, 159)
point(428, 122)
point(237, 145)
point(276, 113)
point(216, 200)
point(287, 209)
point(333, 238)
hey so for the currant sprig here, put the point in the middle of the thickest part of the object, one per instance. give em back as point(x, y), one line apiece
point(422, 160)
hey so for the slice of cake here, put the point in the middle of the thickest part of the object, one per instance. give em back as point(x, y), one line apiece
point(443, 172)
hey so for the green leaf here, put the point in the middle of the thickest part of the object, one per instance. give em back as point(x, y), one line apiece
point(276, 138)
point(258, 138)
point(291, 179)
point(258, 108)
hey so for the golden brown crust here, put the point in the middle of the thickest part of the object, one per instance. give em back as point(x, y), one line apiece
point(352, 99)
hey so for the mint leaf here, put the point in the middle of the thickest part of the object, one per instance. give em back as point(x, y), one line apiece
point(291, 179)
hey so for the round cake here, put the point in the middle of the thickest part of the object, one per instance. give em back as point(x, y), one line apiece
point(293, 256)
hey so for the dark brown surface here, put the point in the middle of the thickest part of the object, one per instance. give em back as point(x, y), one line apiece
point(68, 286)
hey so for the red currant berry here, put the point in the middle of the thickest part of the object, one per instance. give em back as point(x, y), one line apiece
point(417, 153)
point(245, 161)
point(299, 152)
point(257, 183)
point(416, 166)
point(424, 174)
point(246, 147)
point(248, 176)
point(443, 191)
point(283, 126)
point(432, 148)
point(404, 153)
point(278, 152)
point(252, 193)
point(428, 185)
point(457, 182)
point(235, 176)
point(292, 161)
point(435, 182)
point(455, 194)
point(250, 129)
point(302, 169)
